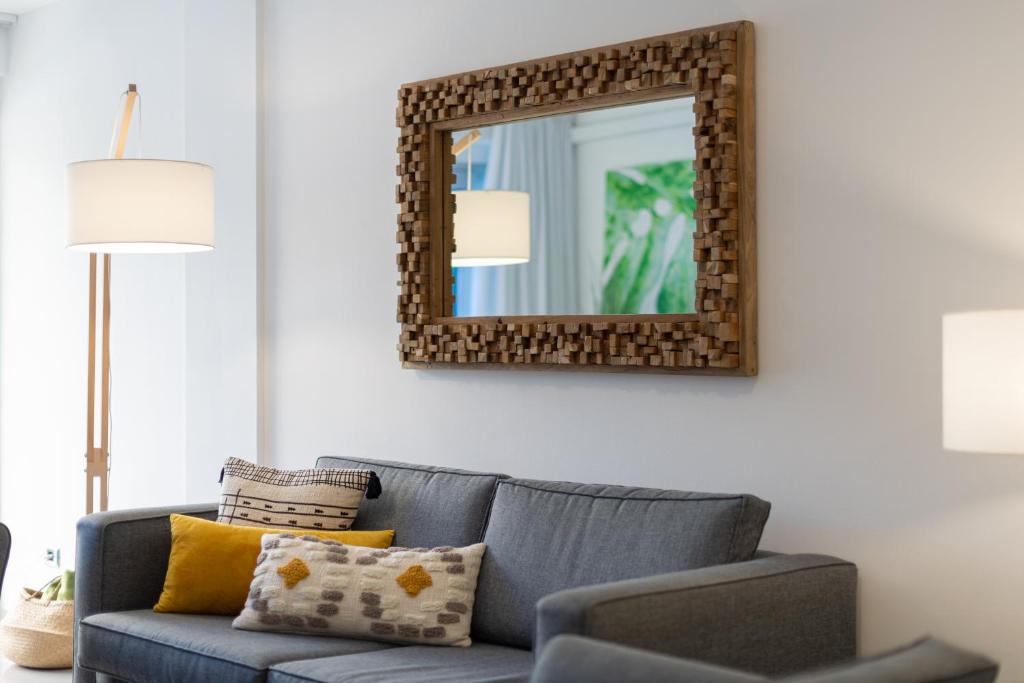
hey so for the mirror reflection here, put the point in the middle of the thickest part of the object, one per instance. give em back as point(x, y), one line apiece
point(587, 213)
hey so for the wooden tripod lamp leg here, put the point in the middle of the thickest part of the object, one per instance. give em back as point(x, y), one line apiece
point(92, 462)
point(97, 457)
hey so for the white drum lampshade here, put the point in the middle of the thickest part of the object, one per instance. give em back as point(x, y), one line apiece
point(983, 381)
point(140, 206)
point(492, 228)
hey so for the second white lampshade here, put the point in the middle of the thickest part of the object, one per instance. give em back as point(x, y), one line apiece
point(492, 228)
point(140, 206)
point(983, 381)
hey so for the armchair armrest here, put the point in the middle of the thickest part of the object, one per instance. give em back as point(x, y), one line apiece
point(574, 658)
point(771, 615)
point(121, 560)
point(571, 658)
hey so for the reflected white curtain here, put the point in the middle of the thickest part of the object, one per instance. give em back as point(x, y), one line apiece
point(536, 157)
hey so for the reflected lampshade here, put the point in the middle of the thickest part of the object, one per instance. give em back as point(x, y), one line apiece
point(983, 381)
point(140, 206)
point(492, 228)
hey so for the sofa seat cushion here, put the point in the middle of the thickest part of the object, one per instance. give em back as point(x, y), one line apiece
point(426, 506)
point(414, 664)
point(142, 645)
point(543, 537)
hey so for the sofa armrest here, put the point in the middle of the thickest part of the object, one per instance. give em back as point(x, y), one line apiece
point(772, 615)
point(121, 561)
point(121, 558)
point(574, 658)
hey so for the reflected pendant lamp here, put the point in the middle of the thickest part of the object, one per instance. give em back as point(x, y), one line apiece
point(127, 206)
point(492, 227)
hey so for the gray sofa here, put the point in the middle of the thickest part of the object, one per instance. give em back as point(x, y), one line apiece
point(673, 572)
point(575, 658)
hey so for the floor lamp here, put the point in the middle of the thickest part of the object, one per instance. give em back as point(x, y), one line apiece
point(124, 206)
point(983, 381)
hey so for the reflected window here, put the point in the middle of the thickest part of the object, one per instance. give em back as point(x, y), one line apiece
point(611, 212)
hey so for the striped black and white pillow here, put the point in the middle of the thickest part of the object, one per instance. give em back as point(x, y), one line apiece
point(319, 499)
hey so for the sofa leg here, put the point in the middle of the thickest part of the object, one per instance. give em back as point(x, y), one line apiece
point(82, 676)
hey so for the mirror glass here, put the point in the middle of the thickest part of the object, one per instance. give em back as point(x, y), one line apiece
point(583, 213)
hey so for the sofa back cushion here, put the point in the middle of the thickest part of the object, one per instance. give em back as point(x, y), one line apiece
point(426, 506)
point(544, 537)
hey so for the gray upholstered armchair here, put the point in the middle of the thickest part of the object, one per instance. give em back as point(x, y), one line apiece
point(5, 551)
point(575, 658)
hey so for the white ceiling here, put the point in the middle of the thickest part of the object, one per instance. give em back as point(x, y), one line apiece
point(21, 6)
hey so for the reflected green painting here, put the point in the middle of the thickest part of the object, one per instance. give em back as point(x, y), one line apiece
point(648, 262)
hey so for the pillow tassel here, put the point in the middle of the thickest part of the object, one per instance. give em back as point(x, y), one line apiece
point(373, 487)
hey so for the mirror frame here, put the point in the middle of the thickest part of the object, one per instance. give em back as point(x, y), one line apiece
point(715, 65)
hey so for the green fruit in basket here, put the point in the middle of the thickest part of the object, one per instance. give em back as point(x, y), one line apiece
point(67, 585)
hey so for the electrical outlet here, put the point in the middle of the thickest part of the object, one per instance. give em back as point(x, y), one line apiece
point(52, 557)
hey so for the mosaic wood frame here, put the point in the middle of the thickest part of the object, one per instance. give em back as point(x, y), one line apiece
point(716, 66)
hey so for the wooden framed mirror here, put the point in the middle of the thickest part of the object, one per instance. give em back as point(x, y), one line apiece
point(591, 210)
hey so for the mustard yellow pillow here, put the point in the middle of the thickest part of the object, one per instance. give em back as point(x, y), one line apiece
point(211, 564)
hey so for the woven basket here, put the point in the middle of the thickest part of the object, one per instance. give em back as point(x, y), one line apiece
point(37, 633)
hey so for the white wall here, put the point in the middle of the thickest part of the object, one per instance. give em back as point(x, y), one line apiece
point(5, 36)
point(222, 65)
point(181, 325)
point(889, 166)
